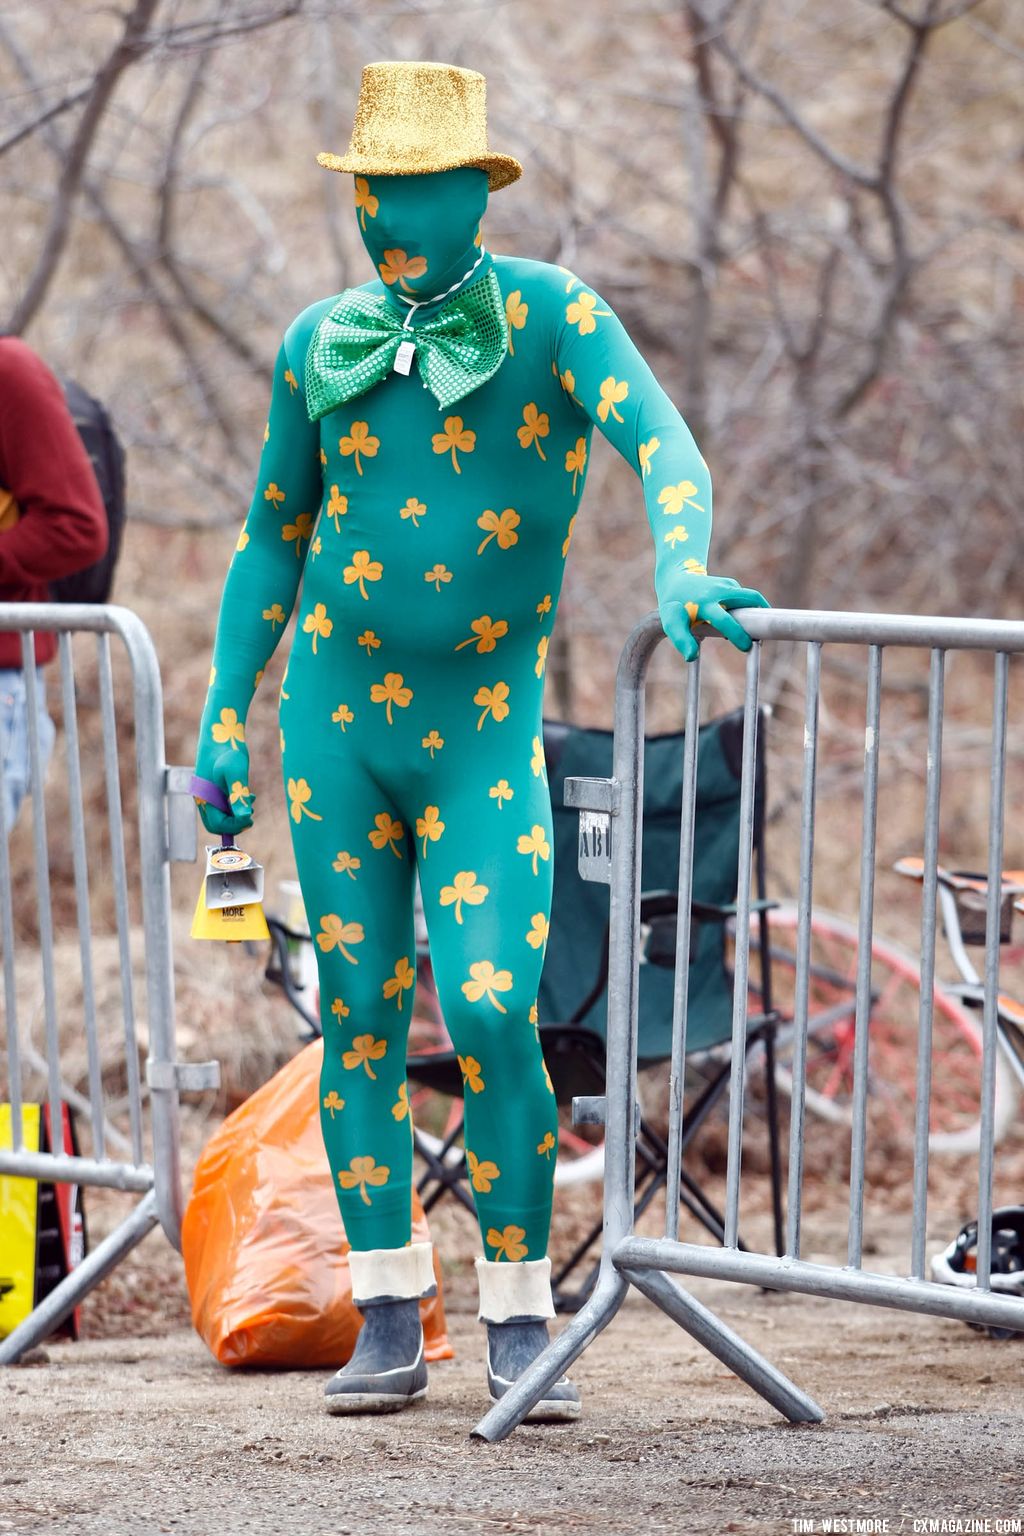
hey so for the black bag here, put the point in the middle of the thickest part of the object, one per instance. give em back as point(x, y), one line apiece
point(94, 583)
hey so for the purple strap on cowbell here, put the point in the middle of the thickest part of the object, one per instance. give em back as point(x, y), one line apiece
point(206, 789)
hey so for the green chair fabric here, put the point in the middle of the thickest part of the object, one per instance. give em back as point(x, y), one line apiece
point(579, 913)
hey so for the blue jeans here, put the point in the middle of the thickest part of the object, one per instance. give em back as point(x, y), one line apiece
point(14, 759)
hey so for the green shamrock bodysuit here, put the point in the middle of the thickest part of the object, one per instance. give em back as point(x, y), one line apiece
point(429, 514)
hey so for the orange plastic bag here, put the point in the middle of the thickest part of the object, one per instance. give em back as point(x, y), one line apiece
point(264, 1247)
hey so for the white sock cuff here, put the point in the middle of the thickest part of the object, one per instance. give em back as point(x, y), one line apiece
point(514, 1290)
point(398, 1272)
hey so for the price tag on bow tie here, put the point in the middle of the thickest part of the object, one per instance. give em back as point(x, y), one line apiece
point(404, 356)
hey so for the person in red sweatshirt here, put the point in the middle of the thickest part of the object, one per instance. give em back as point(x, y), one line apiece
point(52, 522)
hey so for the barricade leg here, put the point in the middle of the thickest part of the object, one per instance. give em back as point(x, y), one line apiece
point(597, 1313)
point(735, 1353)
point(95, 1267)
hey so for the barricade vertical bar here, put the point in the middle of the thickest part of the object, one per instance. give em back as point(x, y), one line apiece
point(28, 662)
point(997, 782)
point(118, 871)
point(677, 1076)
point(742, 961)
point(929, 898)
point(81, 869)
point(10, 989)
point(794, 1197)
point(864, 937)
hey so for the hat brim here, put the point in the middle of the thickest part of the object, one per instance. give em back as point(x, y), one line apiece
point(501, 170)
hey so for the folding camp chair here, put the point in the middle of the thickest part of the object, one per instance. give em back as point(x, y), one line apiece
point(572, 1030)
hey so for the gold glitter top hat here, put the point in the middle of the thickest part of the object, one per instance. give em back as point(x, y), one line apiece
point(412, 118)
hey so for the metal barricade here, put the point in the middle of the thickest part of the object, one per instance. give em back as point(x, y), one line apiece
point(644, 1262)
point(140, 1154)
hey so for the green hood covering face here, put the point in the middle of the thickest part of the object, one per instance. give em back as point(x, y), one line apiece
point(421, 231)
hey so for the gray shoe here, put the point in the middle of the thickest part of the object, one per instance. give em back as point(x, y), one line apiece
point(387, 1370)
point(511, 1347)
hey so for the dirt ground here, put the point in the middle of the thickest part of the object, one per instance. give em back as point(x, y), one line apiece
point(925, 1420)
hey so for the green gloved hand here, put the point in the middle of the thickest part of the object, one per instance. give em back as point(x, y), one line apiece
point(689, 597)
point(228, 768)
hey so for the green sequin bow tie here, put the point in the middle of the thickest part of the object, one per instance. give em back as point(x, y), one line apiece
point(356, 343)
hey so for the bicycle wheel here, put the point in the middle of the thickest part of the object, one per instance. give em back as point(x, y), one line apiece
point(954, 1124)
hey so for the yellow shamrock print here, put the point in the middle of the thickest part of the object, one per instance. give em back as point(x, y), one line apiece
point(568, 536)
point(472, 1074)
point(515, 313)
point(337, 507)
point(274, 495)
point(239, 793)
point(364, 1050)
point(401, 981)
point(501, 792)
point(439, 574)
point(485, 981)
point(391, 691)
point(397, 266)
point(316, 547)
point(534, 843)
point(413, 511)
point(692, 613)
point(213, 674)
point(317, 623)
point(677, 534)
point(429, 826)
point(370, 641)
point(229, 728)
point(454, 437)
point(538, 934)
point(359, 441)
point(582, 312)
point(401, 1108)
point(463, 888)
point(322, 457)
point(340, 1009)
point(242, 540)
point(493, 701)
point(266, 433)
point(573, 282)
point(568, 383)
point(387, 833)
point(486, 633)
point(335, 933)
point(258, 678)
point(646, 453)
point(302, 528)
point(298, 793)
point(542, 655)
point(576, 460)
point(507, 1243)
point(546, 1147)
point(275, 615)
point(537, 760)
point(536, 424)
point(291, 381)
point(613, 392)
point(433, 742)
point(544, 606)
point(342, 715)
point(332, 1102)
point(362, 570)
point(346, 864)
point(502, 528)
point(363, 1172)
point(675, 497)
point(365, 200)
point(547, 1078)
point(695, 567)
point(481, 1175)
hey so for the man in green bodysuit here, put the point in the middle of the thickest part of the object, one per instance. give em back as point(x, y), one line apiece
point(423, 463)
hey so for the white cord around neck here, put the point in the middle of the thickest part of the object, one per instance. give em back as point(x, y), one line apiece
point(416, 304)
